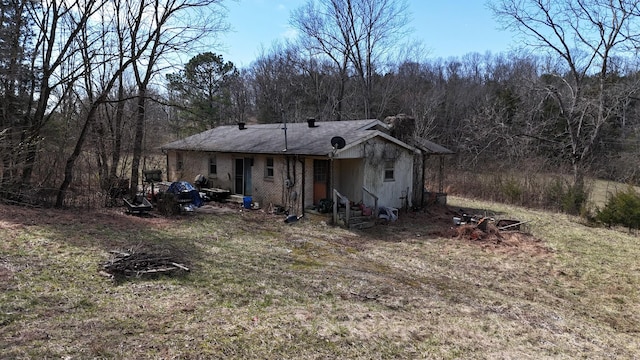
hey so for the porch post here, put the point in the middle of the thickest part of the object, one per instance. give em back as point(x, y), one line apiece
point(441, 175)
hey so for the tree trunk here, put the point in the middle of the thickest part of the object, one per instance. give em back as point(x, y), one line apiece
point(117, 131)
point(340, 99)
point(69, 166)
point(33, 133)
point(138, 140)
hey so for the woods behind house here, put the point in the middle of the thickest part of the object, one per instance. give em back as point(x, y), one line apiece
point(90, 89)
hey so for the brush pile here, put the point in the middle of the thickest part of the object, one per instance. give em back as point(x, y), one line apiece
point(488, 232)
point(136, 264)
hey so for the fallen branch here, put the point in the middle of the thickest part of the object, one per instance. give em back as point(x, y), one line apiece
point(512, 225)
point(180, 266)
point(130, 263)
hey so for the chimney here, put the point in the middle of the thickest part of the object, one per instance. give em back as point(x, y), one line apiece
point(241, 126)
point(311, 122)
point(402, 127)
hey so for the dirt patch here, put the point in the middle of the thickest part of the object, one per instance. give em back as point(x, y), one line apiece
point(18, 217)
point(501, 241)
point(437, 222)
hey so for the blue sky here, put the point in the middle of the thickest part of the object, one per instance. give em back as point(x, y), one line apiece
point(446, 28)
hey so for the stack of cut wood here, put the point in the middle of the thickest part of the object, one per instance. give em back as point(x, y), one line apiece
point(131, 263)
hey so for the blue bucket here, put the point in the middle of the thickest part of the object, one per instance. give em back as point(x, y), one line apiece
point(247, 202)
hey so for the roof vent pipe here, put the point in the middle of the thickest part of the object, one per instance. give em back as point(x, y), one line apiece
point(311, 122)
point(241, 126)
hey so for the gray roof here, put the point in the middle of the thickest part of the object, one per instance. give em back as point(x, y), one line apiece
point(430, 147)
point(301, 139)
point(270, 139)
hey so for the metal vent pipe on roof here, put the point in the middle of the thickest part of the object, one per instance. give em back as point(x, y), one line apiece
point(311, 122)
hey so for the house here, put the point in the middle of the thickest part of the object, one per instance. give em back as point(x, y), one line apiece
point(296, 165)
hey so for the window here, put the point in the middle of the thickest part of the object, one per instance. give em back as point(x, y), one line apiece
point(179, 162)
point(321, 171)
point(389, 171)
point(268, 168)
point(213, 166)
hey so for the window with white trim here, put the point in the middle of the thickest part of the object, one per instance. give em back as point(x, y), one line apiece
point(389, 170)
point(268, 168)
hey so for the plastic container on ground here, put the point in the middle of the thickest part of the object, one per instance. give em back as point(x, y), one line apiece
point(246, 201)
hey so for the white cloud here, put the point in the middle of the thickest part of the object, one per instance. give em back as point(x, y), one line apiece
point(289, 33)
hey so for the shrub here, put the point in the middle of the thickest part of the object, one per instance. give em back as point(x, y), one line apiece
point(623, 208)
point(524, 189)
point(553, 192)
point(574, 199)
point(513, 191)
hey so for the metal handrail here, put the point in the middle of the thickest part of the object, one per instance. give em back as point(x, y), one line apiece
point(375, 201)
point(337, 195)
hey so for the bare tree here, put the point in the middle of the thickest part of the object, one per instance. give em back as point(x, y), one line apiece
point(15, 72)
point(376, 25)
point(324, 36)
point(101, 67)
point(585, 35)
point(419, 96)
point(354, 34)
point(240, 97)
point(58, 25)
point(276, 81)
point(153, 29)
point(167, 35)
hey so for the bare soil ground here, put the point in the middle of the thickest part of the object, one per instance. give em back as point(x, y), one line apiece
point(436, 221)
point(19, 217)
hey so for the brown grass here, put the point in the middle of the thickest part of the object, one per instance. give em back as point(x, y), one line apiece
point(260, 288)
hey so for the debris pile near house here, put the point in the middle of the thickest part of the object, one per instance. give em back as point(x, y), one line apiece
point(479, 227)
point(136, 264)
point(496, 234)
point(474, 232)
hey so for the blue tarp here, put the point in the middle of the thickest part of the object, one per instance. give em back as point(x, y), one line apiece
point(181, 187)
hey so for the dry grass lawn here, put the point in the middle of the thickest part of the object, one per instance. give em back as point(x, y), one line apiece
point(263, 289)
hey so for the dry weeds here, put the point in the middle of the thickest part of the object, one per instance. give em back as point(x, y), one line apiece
point(260, 288)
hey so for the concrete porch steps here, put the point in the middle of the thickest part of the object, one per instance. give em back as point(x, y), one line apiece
point(239, 199)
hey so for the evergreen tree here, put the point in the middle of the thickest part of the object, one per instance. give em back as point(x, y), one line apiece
point(202, 92)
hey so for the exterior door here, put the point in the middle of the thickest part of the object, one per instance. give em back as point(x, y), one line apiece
point(243, 176)
point(321, 178)
point(248, 163)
